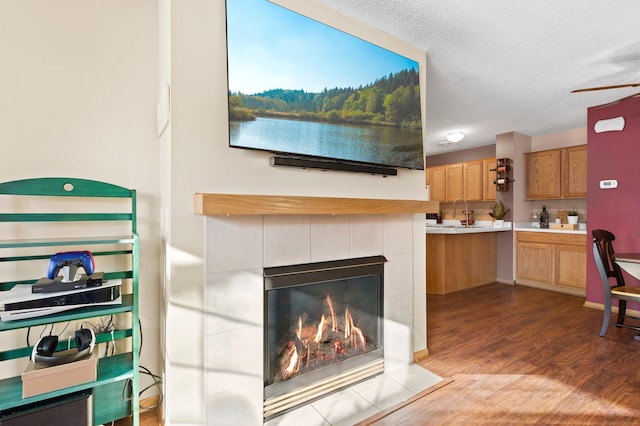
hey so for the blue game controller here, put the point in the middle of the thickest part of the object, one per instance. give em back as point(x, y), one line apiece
point(75, 259)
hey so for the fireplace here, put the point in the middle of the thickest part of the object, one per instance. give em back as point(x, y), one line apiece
point(323, 329)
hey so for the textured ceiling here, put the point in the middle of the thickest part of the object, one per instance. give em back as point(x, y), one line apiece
point(500, 66)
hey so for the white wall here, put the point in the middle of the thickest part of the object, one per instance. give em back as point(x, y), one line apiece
point(195, 158)
point(79, 80)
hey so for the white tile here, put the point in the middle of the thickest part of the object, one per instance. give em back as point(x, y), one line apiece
point(287, 240)
point(398, 274)
point(234, 243)
point(238, 407)
point(398, 347)
point(236, 351)
point(185, 331)
point(398, 331)
point(383, 392)
point(330, 237)
point(234, 300)
point(345, 407)
point(303, 416)
point(218, 381)
point(186, 394)
point(367, 235)
point(399, 309)
point(398, 234)
point(414, 378)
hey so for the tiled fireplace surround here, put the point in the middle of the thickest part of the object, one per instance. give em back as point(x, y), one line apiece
point(238, 247)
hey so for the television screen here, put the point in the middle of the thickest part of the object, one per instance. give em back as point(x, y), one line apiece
point(300, 87)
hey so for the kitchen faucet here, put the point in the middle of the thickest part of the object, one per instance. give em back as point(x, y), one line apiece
point(466, 210)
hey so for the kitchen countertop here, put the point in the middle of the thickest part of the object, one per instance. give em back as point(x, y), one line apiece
point(528, 227)
point(454, 227)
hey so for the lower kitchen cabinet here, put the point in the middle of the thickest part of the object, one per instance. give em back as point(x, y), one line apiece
point(552, 261)
point(462, 261)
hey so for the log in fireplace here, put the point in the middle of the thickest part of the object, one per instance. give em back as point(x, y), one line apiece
point(323, 329)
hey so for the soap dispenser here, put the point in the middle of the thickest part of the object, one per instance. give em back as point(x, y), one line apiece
point(544, 218)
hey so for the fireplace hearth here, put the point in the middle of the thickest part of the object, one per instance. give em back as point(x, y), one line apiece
point(323, 329)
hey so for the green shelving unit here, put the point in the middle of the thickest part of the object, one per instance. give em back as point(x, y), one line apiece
point(115, 393)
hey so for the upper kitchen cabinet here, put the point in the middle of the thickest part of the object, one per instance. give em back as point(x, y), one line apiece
point(466, 180)
point(473, 182)
point(574, 172)
point(437, 181)
point(489, 190)
point(542, 170)
point(556, 173)
point(455, 181)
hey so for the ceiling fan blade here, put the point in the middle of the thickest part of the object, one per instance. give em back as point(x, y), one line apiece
point(617, 86)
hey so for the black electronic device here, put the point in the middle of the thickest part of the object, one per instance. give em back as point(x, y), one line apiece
point(311, 163)
point(44, 351)
point(101, 294)
point(69, 410)
point(46, 285)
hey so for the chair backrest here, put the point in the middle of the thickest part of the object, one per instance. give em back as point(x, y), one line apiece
point(604, 255)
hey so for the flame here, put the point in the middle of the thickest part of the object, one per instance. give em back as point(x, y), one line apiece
point(334, 326)
point(321, 327)
point(357, 337)
point(347, 323)
point(313, 345)
point(292, 368)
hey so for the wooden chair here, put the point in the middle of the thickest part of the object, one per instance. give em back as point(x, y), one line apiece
point(607, 267)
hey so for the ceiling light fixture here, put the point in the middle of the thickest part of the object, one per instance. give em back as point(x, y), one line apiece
point(455, 136)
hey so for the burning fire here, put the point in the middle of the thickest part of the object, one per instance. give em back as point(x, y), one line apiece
point(316, 343)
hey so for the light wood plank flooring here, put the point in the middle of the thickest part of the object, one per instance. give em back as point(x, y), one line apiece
point(518, 355)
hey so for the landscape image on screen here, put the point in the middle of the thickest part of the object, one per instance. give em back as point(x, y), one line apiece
point(298, 86)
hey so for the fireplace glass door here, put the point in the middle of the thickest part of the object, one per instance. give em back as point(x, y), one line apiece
point(322, 321)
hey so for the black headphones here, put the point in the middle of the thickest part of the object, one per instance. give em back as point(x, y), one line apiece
point(43, 351)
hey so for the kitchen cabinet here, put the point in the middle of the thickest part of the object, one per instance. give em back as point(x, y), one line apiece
point(462, 261)
point(574, 172)
point(542, 171)
point(489, 190)
point(473, 181)
point(437, 181)
point(553, 261)
point(465, 180)
point(455, 181)
point(556, 173)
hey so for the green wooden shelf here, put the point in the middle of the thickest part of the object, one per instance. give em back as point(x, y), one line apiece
point(80, 241)
point(110, 369)
point(116, 390)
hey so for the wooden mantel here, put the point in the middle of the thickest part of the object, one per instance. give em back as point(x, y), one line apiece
point(238, 204)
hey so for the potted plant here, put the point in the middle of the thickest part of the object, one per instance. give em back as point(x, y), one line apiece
point(572, 217)
point(498, 212)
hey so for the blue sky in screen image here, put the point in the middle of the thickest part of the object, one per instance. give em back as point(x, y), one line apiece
point(270, 47)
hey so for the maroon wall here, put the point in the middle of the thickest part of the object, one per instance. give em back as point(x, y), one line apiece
point(614, 155)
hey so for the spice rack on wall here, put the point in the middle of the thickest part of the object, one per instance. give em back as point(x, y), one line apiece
point(503, 174)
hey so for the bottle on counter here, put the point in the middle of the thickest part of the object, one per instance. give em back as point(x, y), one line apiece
point(535, 220)
point(544, 218)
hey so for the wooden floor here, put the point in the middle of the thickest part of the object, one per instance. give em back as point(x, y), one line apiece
point(519, 355)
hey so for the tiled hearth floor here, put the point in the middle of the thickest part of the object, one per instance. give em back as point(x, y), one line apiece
point(361, 401)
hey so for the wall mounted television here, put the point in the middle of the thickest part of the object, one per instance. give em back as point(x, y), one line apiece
point(301, 88)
